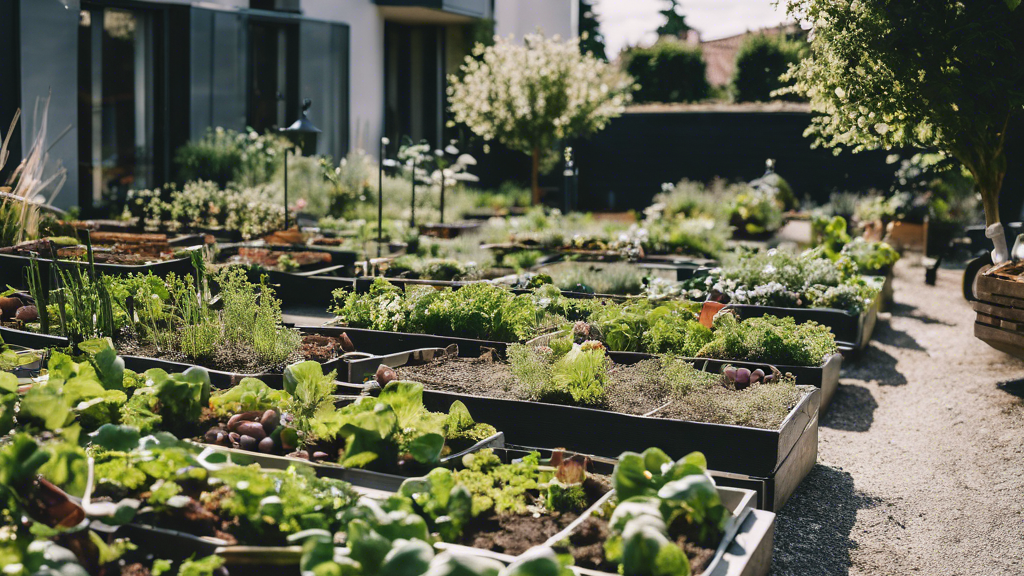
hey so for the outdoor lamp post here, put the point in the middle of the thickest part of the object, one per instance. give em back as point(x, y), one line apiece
point(303, 134)
point(384, 141)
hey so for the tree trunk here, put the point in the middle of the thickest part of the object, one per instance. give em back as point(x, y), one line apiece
point(535, 176)
point(988, 171)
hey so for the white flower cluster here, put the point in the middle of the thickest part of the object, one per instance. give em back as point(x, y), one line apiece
point(530, 95)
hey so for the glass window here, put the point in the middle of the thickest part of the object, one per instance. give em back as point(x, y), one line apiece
point(115, 77)
point(273, 75)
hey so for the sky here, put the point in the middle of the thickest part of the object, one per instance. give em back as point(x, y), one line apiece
point(627, 22)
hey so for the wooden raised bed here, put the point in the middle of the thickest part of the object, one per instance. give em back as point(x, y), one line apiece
point(1000, 308)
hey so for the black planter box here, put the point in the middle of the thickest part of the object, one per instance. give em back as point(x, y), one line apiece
point(32, 339)
point(852, 331)
point(772, 462)
point(13, 268)
point(218, 378)
point(388, 347)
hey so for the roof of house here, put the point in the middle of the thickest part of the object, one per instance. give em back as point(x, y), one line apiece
point(720, 54)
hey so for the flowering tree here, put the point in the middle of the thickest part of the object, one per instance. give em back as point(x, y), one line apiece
point(921, 73)
point(530, 96)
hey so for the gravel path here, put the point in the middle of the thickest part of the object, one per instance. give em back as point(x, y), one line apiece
point(921, 455)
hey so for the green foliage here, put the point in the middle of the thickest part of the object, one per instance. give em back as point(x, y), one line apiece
point(591, 39)
point(645, 474)
point(831, 234)
point(248, 395)
point(668, 71)
point(755, 211)
point(449, 500)
point(771, 340)
point(252, 315)
point(578, 377)
point(310, 400)
point(259, 506)
point(761, 60)
point(659, 500)
point(951, 82)
point(173, 402)
point(226, 156)
point(205, 566)
point(476, 310)
point(461, 431)
point(522, 260)
point(633, 325)
point(782, 278)
point(675, 22)
point(871, 257)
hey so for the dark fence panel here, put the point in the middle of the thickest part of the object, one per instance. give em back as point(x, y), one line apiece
point(636, 153)
point(623, 167)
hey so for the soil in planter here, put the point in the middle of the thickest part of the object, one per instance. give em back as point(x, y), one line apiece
point(640, 389)
point(588, 548)
point(239, 359)
point(514, 534)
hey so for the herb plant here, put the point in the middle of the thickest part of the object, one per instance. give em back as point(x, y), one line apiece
point(781, 278)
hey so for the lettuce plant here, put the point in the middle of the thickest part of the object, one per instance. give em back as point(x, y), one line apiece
point(659, 500)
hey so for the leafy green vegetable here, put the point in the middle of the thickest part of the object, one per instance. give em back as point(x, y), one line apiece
point(311, 400)
point(173, 402)
point(769, 339)
point(659, 500)
point(645, 474)
point(248, 395)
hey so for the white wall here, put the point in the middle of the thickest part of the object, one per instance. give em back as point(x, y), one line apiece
point(520, 17)
point(366, 65)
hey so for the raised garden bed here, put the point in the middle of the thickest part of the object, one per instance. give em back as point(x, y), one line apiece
point(452, 230)
point(388, 347)
point(1000, 308)
point(852, 331)
point(745, 550)
point(288, 258)
point(13, 267)
point(771, 461)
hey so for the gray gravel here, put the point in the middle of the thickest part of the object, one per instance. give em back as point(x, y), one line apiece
point(921, 455)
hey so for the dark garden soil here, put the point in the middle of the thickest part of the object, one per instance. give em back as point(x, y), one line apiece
point(637, 389)
point(135, 569)
point(227, 358)
point(588, 548)
point(515, 533)
point(485, 377)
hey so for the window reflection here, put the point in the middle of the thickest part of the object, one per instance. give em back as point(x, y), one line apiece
point(115, 103)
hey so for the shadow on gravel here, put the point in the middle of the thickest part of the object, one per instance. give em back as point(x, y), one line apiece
point(886, 334)
point(1013, 387)
point(875, 364)
point(852, 409)
point(909, 311)
point(812, 533)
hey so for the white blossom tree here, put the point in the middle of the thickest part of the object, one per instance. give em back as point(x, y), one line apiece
point(529, 96)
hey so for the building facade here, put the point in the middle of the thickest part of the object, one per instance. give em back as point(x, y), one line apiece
point(129, 81)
